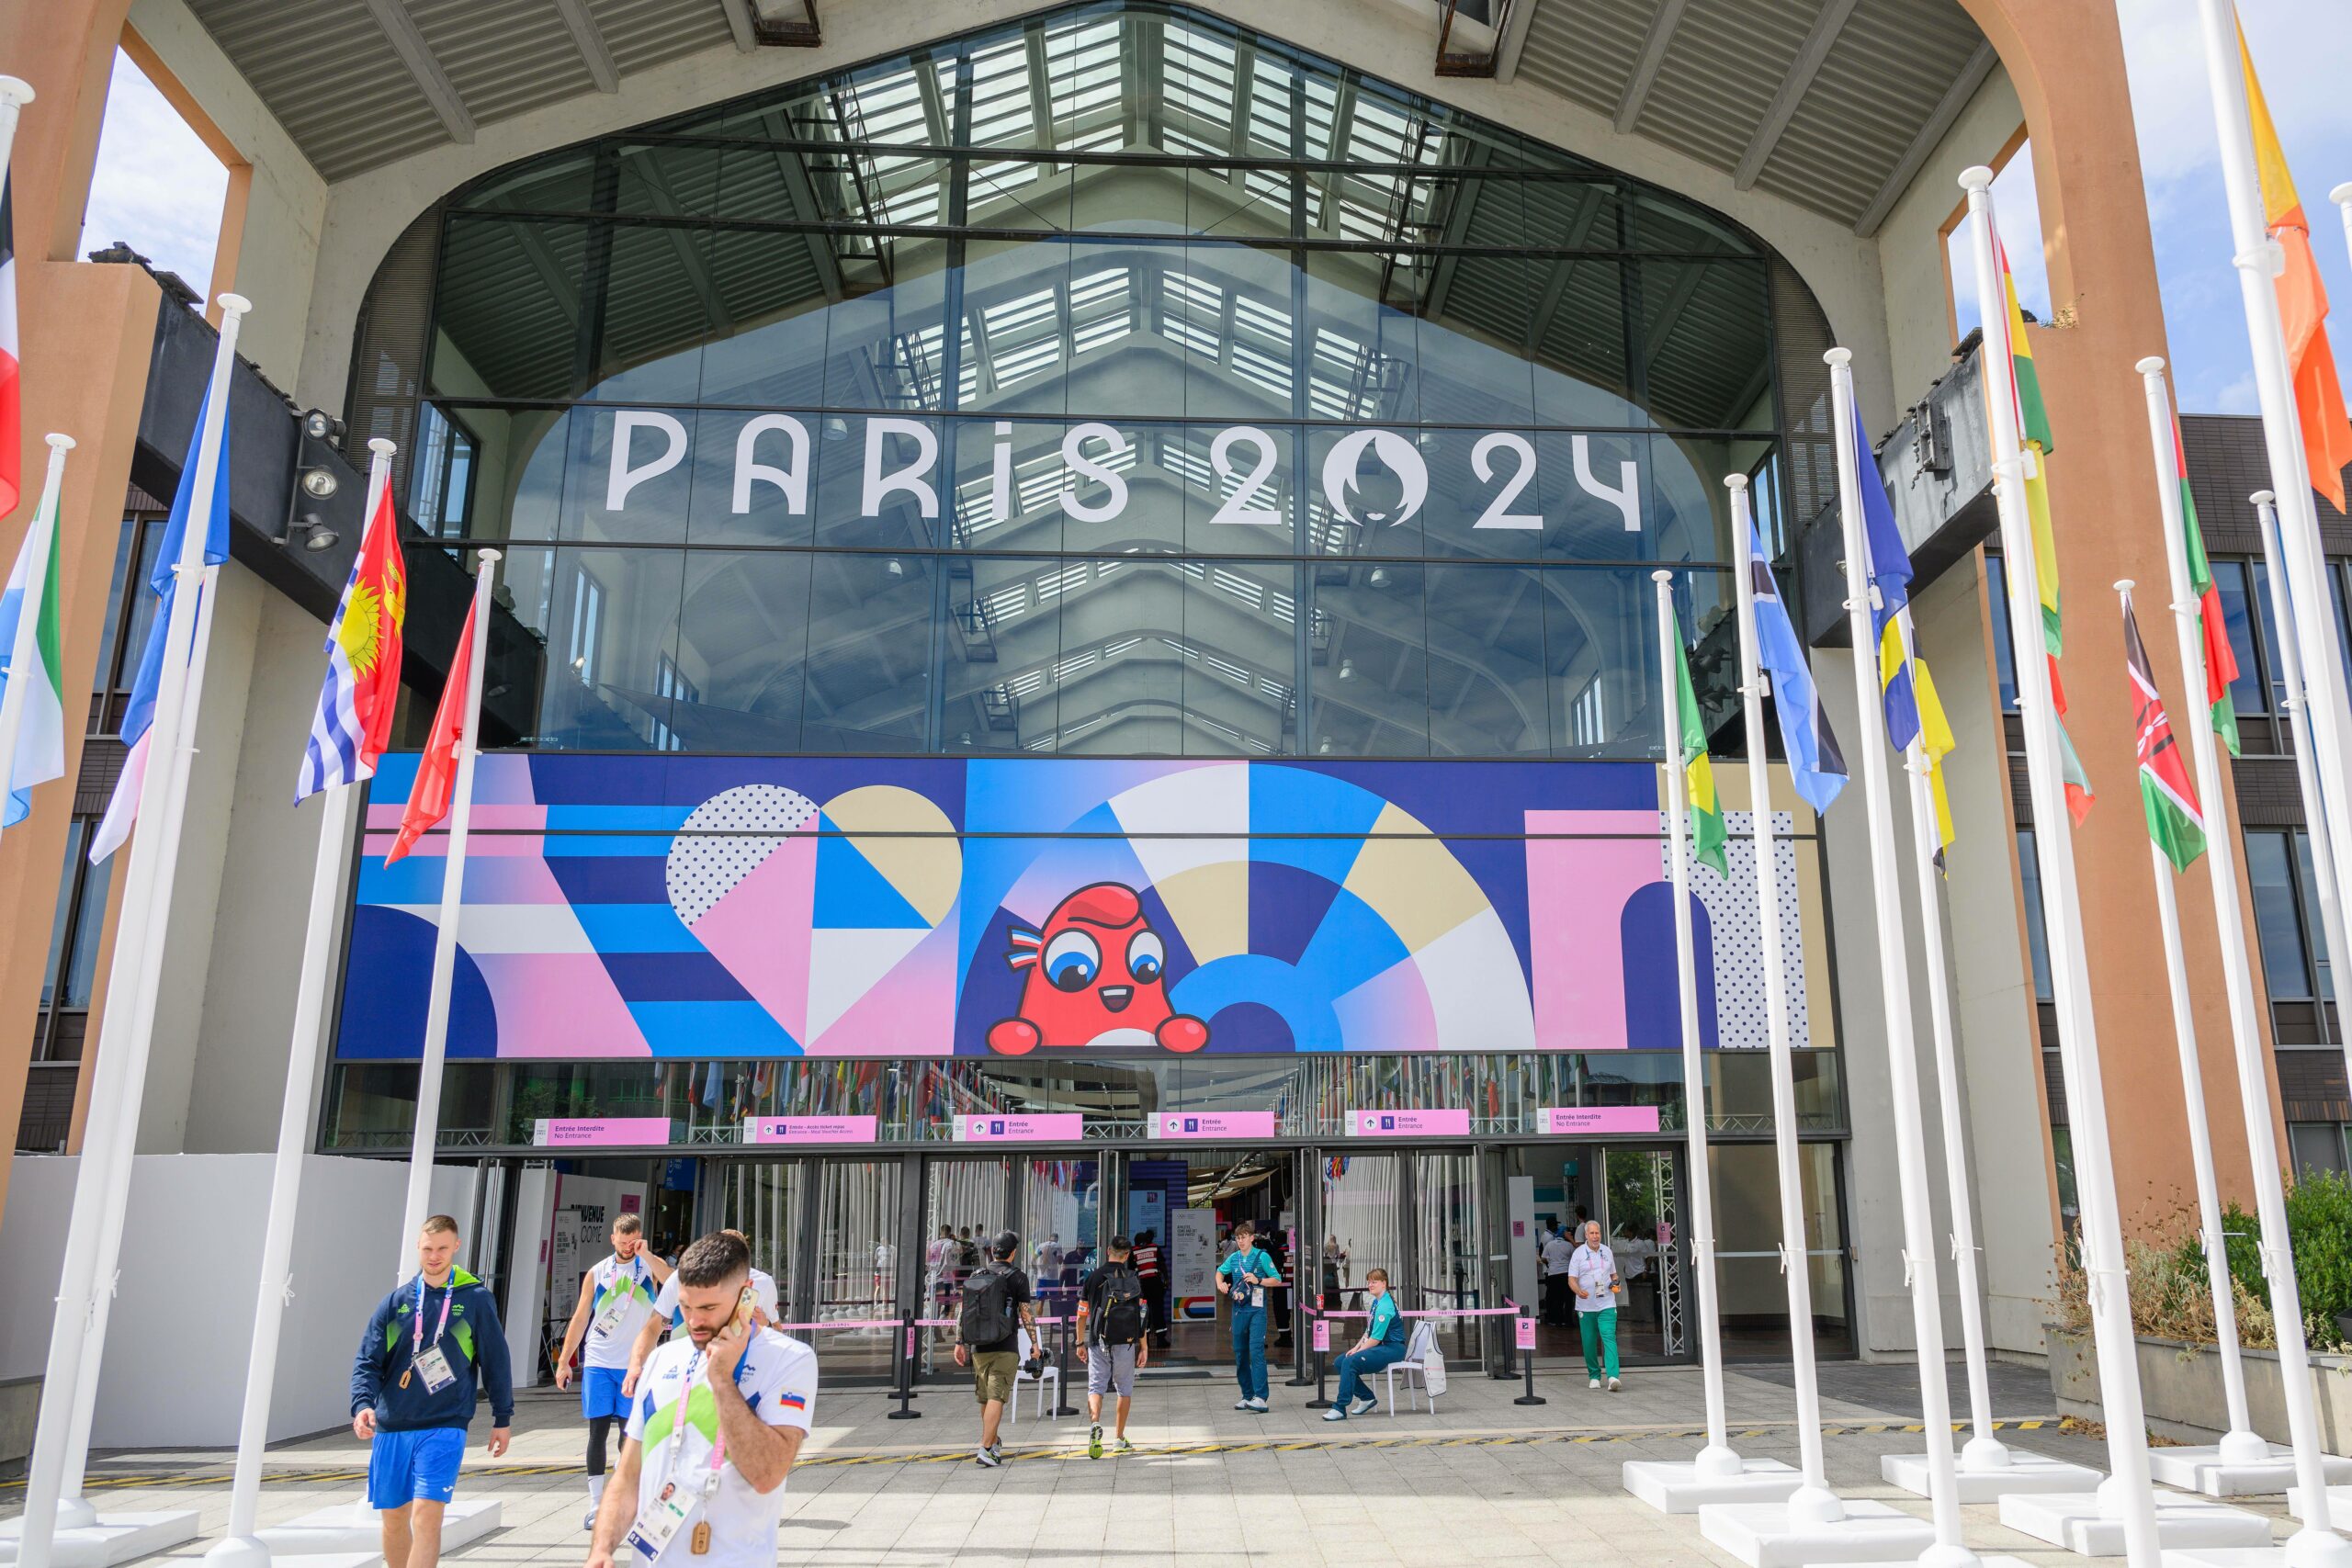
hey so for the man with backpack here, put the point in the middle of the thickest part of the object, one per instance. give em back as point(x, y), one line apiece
point(998, 1304)
point(1114, 1347)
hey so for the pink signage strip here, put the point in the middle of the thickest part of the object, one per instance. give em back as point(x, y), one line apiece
point(1409, 1123)
point(811, 1129)
point(1559, 1119)
point(605, 1133)
point(1054, 1127)
point(1213, 1124)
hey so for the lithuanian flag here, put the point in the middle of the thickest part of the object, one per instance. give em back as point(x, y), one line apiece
point(2033, 434)
point(1707, 834)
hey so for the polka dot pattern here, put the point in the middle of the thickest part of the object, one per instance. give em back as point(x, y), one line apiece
point(726, 838)
point(1743, 1022)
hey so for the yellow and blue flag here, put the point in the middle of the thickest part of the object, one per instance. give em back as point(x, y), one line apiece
point(1889, 569)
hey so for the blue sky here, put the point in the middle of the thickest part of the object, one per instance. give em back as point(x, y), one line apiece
point(160, 191)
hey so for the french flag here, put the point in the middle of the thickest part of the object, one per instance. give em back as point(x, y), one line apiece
point(138, 717)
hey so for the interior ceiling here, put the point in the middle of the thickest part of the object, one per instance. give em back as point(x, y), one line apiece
point(1831, 103)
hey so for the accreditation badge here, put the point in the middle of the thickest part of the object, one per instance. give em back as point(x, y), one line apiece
point(660, 1521)
point(433, 1366)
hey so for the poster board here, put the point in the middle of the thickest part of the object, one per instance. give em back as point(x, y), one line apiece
point(1192, 1251)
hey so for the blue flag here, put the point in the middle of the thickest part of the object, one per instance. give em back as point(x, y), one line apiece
point(1889, 567)
point(1815, 761)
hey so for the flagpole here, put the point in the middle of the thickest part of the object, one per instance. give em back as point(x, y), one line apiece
point(119, 1077)
point(15, 93)
point(1894, 983)
point(2127, 1493)
point(427, 1132)
point(2290, 680)
point(2316, 1542)
point(1983, 1452)
point(1717, 1460)
point(1813, 1501)
point(2258, 262)
point(21, 663)
point(241, 1547)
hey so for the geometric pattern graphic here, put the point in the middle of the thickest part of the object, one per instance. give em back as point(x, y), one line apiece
point(1743, 1021)
point(717, 907)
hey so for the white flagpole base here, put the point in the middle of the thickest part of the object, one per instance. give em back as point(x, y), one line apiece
point(2339, 1500)
point(1679, 1486)
point(2074, 1521)
point(331, 1530)
point(2025, 1471)
point(2305, 1549)
point(114, 1539)
point(1763, 1535)
point(1986, 1453)
point(2213, 1470)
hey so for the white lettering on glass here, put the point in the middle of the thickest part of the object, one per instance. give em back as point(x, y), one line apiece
point(908, 481)
point(1628, 485)
point(792, 480)
point(1402, 459)
point(1499, 514)
point(1237, 508)
point(622, 479)
point(1084, 469)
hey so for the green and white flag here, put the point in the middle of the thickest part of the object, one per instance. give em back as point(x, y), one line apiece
point(33, 700)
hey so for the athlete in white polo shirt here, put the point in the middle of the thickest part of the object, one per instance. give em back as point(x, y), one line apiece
point(615, 1300)
point(713, 1431)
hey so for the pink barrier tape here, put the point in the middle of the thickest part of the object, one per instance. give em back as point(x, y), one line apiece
point(1509, 1309)
point(886, 1323)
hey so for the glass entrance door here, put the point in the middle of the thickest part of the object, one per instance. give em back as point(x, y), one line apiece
point(854, 1270)
point(1637, 1215)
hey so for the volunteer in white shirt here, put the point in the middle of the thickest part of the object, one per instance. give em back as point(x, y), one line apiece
point(1592, 1275)
point(665, 1316)
point(1555, 1254)
point(712, 1433)
point(615, 1300)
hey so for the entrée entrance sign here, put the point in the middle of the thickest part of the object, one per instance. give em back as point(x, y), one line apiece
point(1095, 455)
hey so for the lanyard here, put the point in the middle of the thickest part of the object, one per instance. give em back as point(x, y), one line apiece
point(417, 1344)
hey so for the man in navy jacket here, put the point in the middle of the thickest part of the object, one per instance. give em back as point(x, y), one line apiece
point(412, 1392)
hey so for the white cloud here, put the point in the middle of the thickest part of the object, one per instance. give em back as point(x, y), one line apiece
point(156, 187)
point(2298, 45)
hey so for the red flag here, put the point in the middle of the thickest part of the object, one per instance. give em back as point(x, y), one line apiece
point(436, 770)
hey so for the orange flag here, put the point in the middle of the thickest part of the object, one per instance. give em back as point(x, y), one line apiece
point(2302, 304)
point(436, 770)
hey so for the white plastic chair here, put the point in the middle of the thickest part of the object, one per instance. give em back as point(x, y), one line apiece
point(1046, 1373)
point(1424, 1341)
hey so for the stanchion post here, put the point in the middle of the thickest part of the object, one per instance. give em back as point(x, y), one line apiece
point(1524, 1331)
point(1302, 1316)
point(1320, 1334)
point(906, 1371)
point(1062, 1407)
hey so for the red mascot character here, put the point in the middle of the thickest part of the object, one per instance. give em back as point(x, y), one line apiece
point(1097, 977)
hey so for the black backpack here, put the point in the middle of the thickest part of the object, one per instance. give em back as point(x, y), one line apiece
point(967, 1255)
point(986, 1315)
point(1123, 1315)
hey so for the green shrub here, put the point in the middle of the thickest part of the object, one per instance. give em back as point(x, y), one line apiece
point(2318, 1219)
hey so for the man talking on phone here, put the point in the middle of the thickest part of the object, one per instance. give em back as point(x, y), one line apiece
point(716, 1423)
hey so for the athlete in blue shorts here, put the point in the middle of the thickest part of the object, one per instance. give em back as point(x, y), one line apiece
point(413, 1389)
point(615, 1301)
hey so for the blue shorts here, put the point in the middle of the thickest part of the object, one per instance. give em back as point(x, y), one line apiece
point(418, 1466)
point(600, 1391)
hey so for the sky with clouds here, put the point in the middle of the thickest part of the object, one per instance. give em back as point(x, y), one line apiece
point(159, 189)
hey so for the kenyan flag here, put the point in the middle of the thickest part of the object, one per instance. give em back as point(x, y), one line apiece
point(2174, 820)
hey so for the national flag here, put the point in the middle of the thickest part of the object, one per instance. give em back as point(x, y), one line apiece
point(139, 715)
point(2302, 303)
point(12, 393)
point(436, 770)
point(1708, 837)
point(1815, 764)
point(2079, 794)
point(2034, 437)
point(1937, 742)
point(2174, 820)
point(1889, 569)
point(363, 679)
point(2220, 659)
point(31, 596)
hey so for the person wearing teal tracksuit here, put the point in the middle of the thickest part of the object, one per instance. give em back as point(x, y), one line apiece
point(1592, 1275)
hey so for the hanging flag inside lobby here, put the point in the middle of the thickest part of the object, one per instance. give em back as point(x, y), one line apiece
point(2175, 822)
point(437, 771)
point(139, 715)
point(32, 694)
point(1889, 569)
point(363, 679)
point(1815, 764)
point(1707, 834)
point(2302, 303)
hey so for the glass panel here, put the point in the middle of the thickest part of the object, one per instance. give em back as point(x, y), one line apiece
point(857, 1260)
point(507, 309)
point(1576, 333)
point(759, 1197)
point(1754, 1297)
point(662, 304)
point(736, 678)
point(966, 1203)
point(143, 604)
point(1061, 1230)
point(82, 962)
point(886, 345)
point(868, 680)
point(1363, 1203)
point(1450, 1246)
point(2250, 694)
point(76, 860)
point(516, 464)
point(2307, 883)
point(1706, 343)
point(1637, 1218)
point(102, 675)
point(2278, 918)
point(1488, 668)
point(1370, 670)
point(560, 182)
point(605, 619)
point(2037, 941)
point(1997, 591)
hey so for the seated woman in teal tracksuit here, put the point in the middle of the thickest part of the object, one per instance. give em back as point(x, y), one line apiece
point(1382, 1345)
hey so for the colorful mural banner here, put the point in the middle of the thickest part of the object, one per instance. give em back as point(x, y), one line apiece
point(708, 907)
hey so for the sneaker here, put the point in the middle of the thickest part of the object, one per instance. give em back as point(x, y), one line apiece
point(588, 1519)
point(1094, 1443)
point(1122, 1446)
point(1365, 1406)
point(1335, 1413)
point(988, 1458)
point(1257, 1407)
point(1612, 1385)
point(1594, 1383)
point(1241, 1404)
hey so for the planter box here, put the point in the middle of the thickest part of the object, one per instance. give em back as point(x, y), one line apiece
point(2180, 1385)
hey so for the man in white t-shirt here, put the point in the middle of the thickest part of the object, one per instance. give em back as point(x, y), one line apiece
point(666, 1317)
point(713, 1431)
point(615, 1300)
point(1553, 1254)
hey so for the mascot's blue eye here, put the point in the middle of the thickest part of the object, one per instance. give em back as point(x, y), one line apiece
point(1072, 960)
point(1145, 958)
